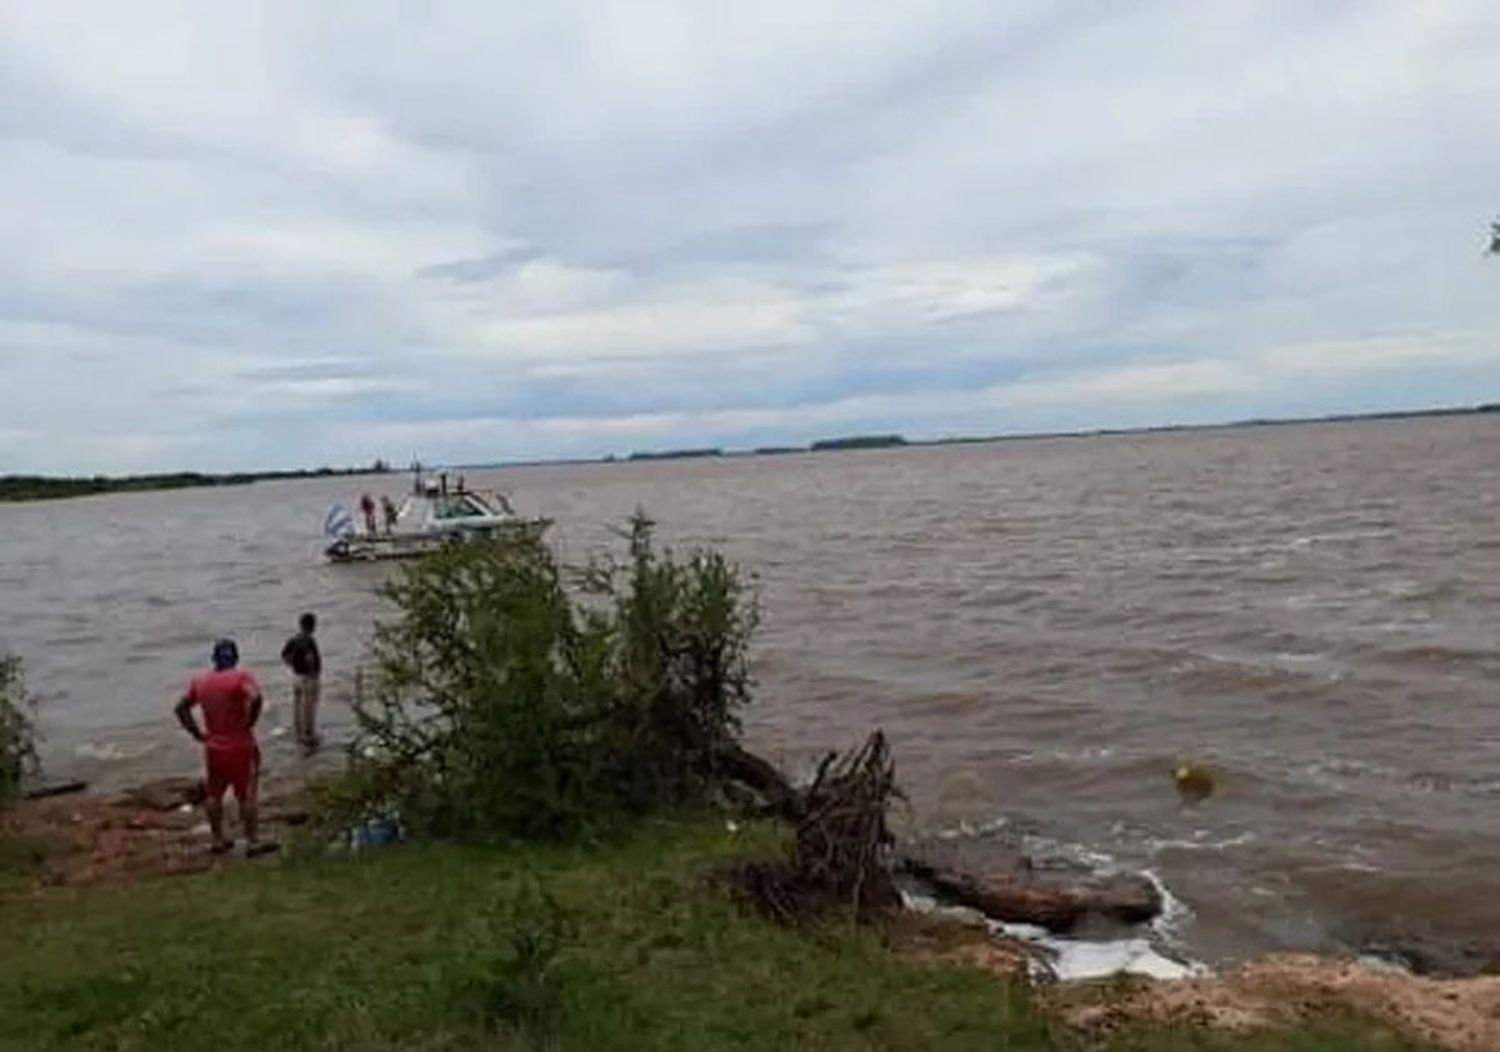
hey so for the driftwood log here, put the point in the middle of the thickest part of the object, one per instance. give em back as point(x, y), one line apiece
point(737, 765)
point(844, 855)
point(163, 794)
point(47, 791)
point(1058, 902)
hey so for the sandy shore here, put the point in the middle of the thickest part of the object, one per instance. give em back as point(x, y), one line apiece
point(1462, 1015)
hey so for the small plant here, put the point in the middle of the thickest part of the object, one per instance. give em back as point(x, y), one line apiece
point(18, 758)
point(521, 986)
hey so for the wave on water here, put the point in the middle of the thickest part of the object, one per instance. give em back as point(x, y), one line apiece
point(1339, 537)
point(1424, 591)
point(112, 752)
point(1065, 755)
point(1201, 840)
point(1151, 955)
point(1342, 774)
point(1037, 845)
point(970, 831)
point(1438, 654)
point(1069, 959)
point(1154, 952)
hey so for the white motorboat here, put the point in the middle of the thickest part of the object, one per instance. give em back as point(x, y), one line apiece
point(431, 516)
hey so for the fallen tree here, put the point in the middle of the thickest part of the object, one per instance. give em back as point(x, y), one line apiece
point(843, 856)
point(840, 857)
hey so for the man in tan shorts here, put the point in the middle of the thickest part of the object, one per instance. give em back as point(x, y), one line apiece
point(301, 656)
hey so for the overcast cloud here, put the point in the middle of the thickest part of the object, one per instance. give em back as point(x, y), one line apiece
point(252, 235)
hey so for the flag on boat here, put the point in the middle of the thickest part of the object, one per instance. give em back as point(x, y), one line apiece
point(339, 522)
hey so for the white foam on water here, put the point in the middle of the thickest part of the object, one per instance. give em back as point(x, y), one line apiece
point(1044, 846)
point(1083, 754)
point(1079, 959)
point(1199, 841)
point(1153, 955)
point(968, 830)
point(1174, 912)
point(111, 752)
point(1076, 960)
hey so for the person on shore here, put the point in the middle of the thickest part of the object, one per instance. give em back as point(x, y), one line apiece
point(367, 508)
point(301, 655)
point(231, 702)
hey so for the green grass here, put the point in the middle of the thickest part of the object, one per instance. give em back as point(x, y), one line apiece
point(412, 947)
point(20, 861)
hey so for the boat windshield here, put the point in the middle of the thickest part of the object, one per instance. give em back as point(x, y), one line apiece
point(460, 506)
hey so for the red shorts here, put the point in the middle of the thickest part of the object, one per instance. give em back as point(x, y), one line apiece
point(234, 766)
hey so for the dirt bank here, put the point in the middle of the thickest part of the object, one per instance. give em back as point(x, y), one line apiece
point(1462, 1015)
point(152, 830)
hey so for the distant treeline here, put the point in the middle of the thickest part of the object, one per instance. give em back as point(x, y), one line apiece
point(860, 442)
point(41, 487)
point(38, 487)
point(676, 454)
point(827, 444)
point(895, 441)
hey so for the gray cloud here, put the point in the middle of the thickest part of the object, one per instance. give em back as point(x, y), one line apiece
point(586, 227)
point(483, 268)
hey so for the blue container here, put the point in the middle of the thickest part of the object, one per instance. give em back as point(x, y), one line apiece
point(376, 833)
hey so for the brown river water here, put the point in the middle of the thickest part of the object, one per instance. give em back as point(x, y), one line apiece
point(1042, 627)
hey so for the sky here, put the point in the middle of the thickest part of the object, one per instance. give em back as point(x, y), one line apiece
point(255, 235)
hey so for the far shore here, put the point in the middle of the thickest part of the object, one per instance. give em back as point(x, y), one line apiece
point(27, 488)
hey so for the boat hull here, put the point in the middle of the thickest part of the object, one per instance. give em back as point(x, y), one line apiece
point(390, 547)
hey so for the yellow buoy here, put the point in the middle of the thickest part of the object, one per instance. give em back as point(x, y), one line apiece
point(1194, 781)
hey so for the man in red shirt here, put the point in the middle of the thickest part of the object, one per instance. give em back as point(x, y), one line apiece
point(231, 703)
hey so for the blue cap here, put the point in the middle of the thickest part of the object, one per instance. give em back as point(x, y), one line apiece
point(226, 655)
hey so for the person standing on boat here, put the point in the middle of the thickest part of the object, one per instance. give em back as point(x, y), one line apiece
point(367, 506)
point(388, 509)
point(301, 655)
point(230, 700)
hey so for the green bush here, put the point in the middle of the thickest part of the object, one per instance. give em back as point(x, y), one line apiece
point(17, 732)
point(681, 633)
point(516, 697)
